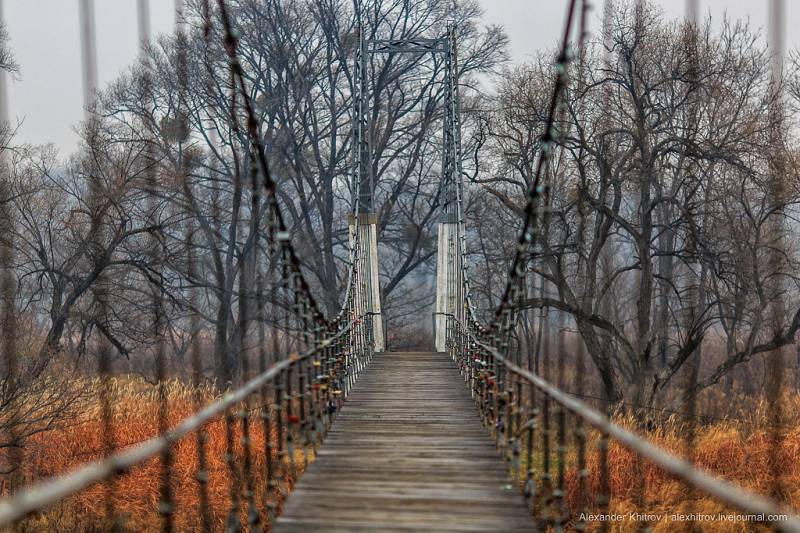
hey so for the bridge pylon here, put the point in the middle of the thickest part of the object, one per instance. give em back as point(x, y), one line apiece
point(451, 242)
point(365, 221)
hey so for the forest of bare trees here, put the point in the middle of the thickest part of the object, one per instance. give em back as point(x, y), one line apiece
point(657, 249)
point(658, 243)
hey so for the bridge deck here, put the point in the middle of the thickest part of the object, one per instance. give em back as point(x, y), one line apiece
point(406, 453)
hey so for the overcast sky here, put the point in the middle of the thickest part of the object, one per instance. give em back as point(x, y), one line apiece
point(533, 24)
point(47, 97)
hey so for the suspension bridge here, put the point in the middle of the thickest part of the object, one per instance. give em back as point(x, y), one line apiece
point(465, 437)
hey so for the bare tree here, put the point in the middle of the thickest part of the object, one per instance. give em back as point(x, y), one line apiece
point(65, 242)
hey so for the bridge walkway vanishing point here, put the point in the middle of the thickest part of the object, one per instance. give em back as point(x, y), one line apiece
point(408, 452)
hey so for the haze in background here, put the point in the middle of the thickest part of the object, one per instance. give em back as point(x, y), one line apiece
point(47, 97)
point(45, 40)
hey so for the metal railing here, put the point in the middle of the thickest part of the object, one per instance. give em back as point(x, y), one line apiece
point(506, 396)
point(515, 403)
point(331, 364)
point(296, 398)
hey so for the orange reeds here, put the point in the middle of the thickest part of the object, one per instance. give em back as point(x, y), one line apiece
point(136, 495)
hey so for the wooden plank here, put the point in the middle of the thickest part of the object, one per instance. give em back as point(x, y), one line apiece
point(406, 453)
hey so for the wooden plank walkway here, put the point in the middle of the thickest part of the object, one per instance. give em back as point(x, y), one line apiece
point(406, 453)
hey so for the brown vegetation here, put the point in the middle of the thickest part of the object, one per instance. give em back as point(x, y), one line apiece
point(741, 451)
point(135, 495)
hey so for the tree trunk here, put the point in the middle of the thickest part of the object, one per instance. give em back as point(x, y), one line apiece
point(224, 369)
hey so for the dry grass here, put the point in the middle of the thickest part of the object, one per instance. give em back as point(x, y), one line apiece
point(740, 453)
point(135, 495)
